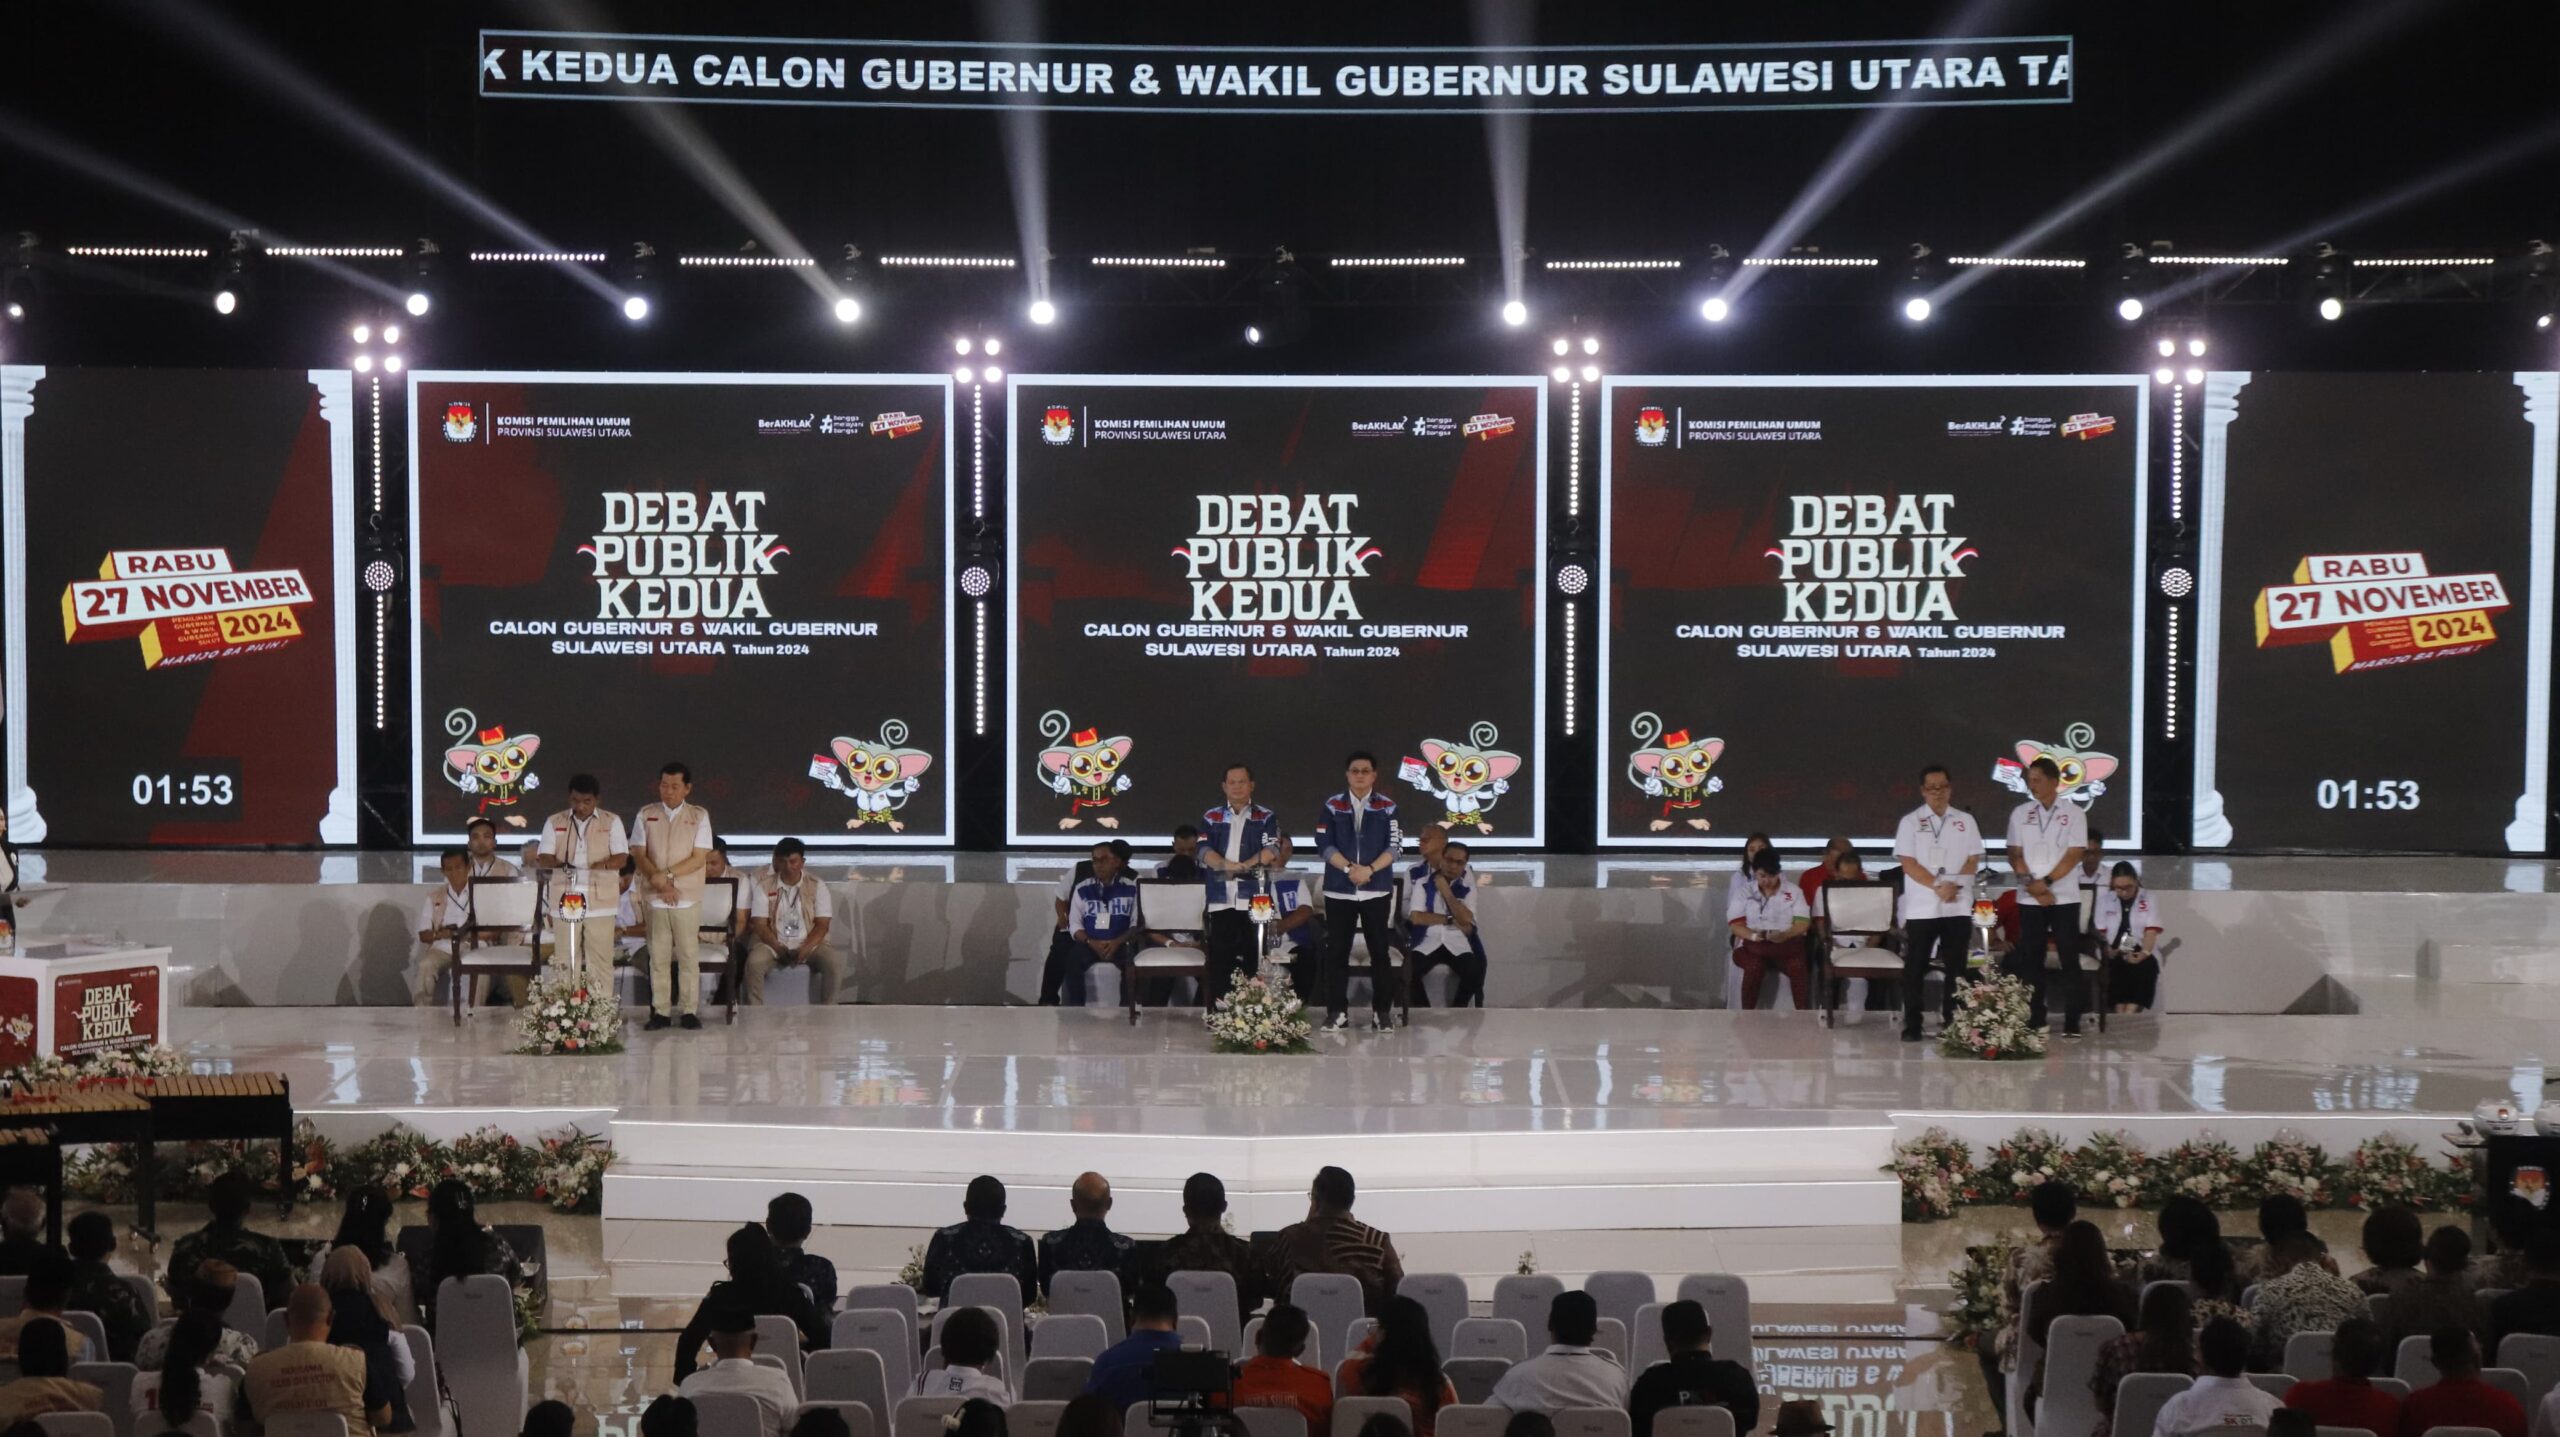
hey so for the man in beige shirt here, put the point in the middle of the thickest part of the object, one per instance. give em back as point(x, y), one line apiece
point(586, 848)
point(307, 1374)
point(670, 851)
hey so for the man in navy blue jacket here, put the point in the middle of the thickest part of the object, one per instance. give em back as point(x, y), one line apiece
point(1242, 848)
point(1359, 842)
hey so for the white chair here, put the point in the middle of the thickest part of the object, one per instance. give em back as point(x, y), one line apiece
point(2274, 1384)
point(1855, 908)
point(1331, 1301)
point(1617, 1294)
point(1276, 1421)
point(897, 1297)
point(1350, 1414)
point(1524, 1299)
point(1610, 1336)
point(858, 1418)
point(885, 1334)
point(428, 1406)
point(778, 1337)
point(2306, 1354)
point(1474, 1377)
point(1211, 1297)
point(1695, 1422)
point(1030, 1418)
point(850, 1374)
point(1593, 1422)
point(2510, 1382)
point(1194, 1332)
point(248, 1310)
point(91, 1328)
point(2415, 1365)
point(1471, 1419)
point(114, 1381)
point(95, 1424)
point(2537, 1357)
point(1070, 1335)
point(1645, 1333)
point(2373, 1305)
point(1357, 1333)
point(2392, 1385)
point(1501, 1337)
point(1090, 1294)
point(922, 1416)
point(203, 1424)
point(728, 1414)
point(2030, 1359)
point(1057, 1379)
point(1312, 1357)
point(720, 959)
point(1444, 1296)
point(2460, 1432)
point(1727, 1299)
point(1168, 906)
point(277, 1331)
point(2070, 1360)
point(509, 913)
point(2140, 1397)
point(476, 1348)
point(995, 1291)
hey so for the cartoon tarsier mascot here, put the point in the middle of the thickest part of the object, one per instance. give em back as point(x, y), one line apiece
point(878, 775)
point(1467, 779)
point(1673, 770)
point(1085, 767)
point(491, 767)
point(2084, 772)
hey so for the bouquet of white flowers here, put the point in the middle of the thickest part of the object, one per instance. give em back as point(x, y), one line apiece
point(562, 1014)
point(1260, 1015)
point(1991, 1021)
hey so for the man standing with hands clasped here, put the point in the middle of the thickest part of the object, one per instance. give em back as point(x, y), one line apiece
point(1940, 847)
point(1242, 847)
point(2045, 839)
point(585, 841)
point(1359, 841)
point(671, 846)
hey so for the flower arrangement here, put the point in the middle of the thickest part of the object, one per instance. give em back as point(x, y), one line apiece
point(2291, 1163)
point(1261, 1015)
point(2385, 1171)
point(400, 1160)
point(1991, 1021)
point(2030, 1158)
point(2207, 1169)
point(1982, 1302)
point(2113, 1168)
point(1936, 1173)
point(572, 1171)
point(562, 1014)
point(155, 1061)
point(1939, 1174)
point(912, 1275)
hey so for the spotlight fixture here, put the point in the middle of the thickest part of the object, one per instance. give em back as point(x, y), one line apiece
point(2177, 582)
point(1590, 344)
point(977, 581)
point(2195, 375)
point(2168, 347)
point(1912, 286)
point(1515, 313)
point(379, 576)
point(2133, 268)
point(1563, 347)
point(965, 374)
point(2333, 308)
point(2129, 309)
point(995, 346)
point(1917, 309)
point(1253, 334)
point(231, 274)
point(1591, 374)
point(962, 345)
point(417, 304)
point(364, 364)
point(19, 280)
point(361, 334)
point(2541, 293)
point(991, 374)
point(2195, 345)
point(422, 265)
point(2327, 288)
point(1572, 579)
point(2163, 375)
point(1714, 310)
point(226, 301)
point(635, 308)
point(1564, 373)
point(640, 281)
point(848, 309)
point(391, 334)
point(1042, 312)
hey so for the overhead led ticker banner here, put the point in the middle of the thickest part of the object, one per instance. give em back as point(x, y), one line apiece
point(1215, 570)
point(1304, 80)
point(181, 650)
point(747, 573)
point(1813, 586)
point(2374, 670)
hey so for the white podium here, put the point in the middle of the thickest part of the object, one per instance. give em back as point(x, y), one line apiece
point(69, 997)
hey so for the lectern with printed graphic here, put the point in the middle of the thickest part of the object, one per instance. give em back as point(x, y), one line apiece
point(71, 997)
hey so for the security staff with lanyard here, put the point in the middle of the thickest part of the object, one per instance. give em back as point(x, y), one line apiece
point(1359, 840)
point(2046, 836)
point(1242, 849)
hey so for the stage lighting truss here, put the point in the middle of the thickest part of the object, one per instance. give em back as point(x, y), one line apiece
point(1446, 261)
point(1611, 264)
point(1812, 261)
point(2018, 261)
point(127, 251)
point(947, 261)
point(1572, 580)
point(744, 261)
point(519, 256)
point(334, 251)
point(1172, 261)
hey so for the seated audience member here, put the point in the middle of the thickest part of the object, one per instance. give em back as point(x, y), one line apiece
point(980, 1242)
point(1332, 1240)
point(227, 1237)
point(361, 1317)
point(1692, 1376)
point(189, 1378)
point(440, 923)
point(2216, 1275)
point(1821, 871)
point(734, 1369)
point(480, 844)
point(789, 1219)
point(2165, 1342)
point(2054, 1205)
point(2222, 1397)
point(307, 1374)
point(971, 1338)
point(1399, 1359)
point(1441, 925)
point(550, 1417)
point(2287, 1422)
point(22, 1240)
point(1273, 1376)
point(1088, 1244)
point(2534, 1307)
point(1184, 865)
point(757, 1285)
point(2282, 1215)
point(1101, 920)
point(2299, 1293)
point(2093, 856)
point(1524, 1423)
point(2126, 928)
point(44, 1376)
point(365, 1225)
point(47, 1297)
point(2458, 1398)
point(1053, 969)
point(2185, 1225)
point(96, 1287)
point(1571, 1372)
point(2512, 1222)
point(1205, 1245)
point(2347, 1396)
point(2443, 1297)
point(1769, 932)
point(977, 1417)
point(1120, 1373)
point(790, 916)
point(210, 1294)
point(820, 1422)
point(461, 1245)
point(1800, 1418)
point(2083, 1284)
point(668, 1415)
point(1089, 1416)
point(2394, 1244)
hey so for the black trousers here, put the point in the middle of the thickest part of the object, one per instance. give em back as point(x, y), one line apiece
point(1080, 960)
point(1343, 918)
point(1466, 968)
point(2061, 923)
point(1926, 941)
point(1053, 970)
point(1230, 950)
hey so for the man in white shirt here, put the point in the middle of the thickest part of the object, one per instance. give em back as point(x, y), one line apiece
point(440, 923)
point(671, 852)
point(789, 918)
point(1939, 847)
point(1769, 932)
point(1441, 926)
point(734, 1369)
point(1571, 1372)
point(586, 850)
point(2045, 839)
point(2222, 1397)
point(969, 1341)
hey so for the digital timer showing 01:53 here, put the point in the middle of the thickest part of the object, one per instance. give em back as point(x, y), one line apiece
point(207, 788)
point(2390, 795)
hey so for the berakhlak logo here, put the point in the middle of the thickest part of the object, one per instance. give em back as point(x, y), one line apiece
point(2379, 610)
point(1058, 424)
point(461, 422)
point(1653, 427)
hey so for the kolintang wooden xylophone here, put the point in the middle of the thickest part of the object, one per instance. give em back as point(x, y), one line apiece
point(187, 1107)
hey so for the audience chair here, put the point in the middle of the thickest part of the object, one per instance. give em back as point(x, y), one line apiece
point(1095, 1294)
point(1525, 1299)
point(1474, 1377)
point(1593, 1422)
point(92, 1328)
point(475, 1336)
point(1699, 1422)
point(727, 1414)
point(850, 1375)
point(2141, 1396)
point(778, 1337)
point(114, 1381)
point(995, 1291)
point(248, 1310)
point(1332, 1303)
point(428, 1405)
point(2415, 1365)
point(2537, 1357)
point(1471, 1419)
point(499, 907)
point(897, 1297)
point(884, 1333)
point(1645, 1335)
point(2274, 1384)
point(1444, 1296)
point(858, 1418)
point(200, 1425)
point(1211, 1297)
point(1611, 1338)
point(1277, 1422)
point(1854, 908)
point(1619, 1294)
point(2306, 1355)
point(1074, 1334)
point(2510, 1382)
point(1727, 1299)
point(2070, 1360)
point(1350, 1414)
point(1030, 1418)
point(1498, 1337)
point(1194, 1332)
point(2392, 1385)
point(1057, 1379)
point(922, 1416)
